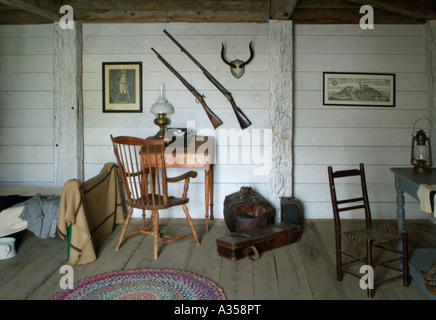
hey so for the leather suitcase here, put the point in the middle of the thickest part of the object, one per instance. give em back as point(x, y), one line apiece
point(244, 245)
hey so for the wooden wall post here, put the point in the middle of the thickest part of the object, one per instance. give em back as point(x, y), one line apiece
point(68, 111)
point(430, 49)
point(430, 39)
point(281, 110)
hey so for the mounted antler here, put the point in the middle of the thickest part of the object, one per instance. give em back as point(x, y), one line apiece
point(249, 59)
point(224, 59)
point(237, 67)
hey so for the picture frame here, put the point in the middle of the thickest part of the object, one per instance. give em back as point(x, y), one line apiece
point(359, 89)
point(122, 86)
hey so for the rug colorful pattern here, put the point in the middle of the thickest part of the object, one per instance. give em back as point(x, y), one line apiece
point(145, 284)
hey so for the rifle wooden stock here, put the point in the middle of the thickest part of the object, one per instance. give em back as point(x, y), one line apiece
point(216, 122)
point(244, 122)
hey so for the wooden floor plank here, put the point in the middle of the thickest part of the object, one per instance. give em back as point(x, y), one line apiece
point(318, 265)
point(349, 286)
point(302, 270)
point(108, 260)
point(23, 274)
point(292, 277)
point(265, 280)
point(237, 279)
point(204, 260)
point(174, 255)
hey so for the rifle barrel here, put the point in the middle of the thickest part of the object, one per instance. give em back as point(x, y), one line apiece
point(214, 119)
point(184, 51)
point(244, 122)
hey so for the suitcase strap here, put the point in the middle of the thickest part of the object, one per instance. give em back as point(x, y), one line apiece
point(256, 253)
point(247, 250)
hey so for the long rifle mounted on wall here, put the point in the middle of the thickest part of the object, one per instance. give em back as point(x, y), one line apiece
point(244, 122)
point(237, 67)
point(216, 122)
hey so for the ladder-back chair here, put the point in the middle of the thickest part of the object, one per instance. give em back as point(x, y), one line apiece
point(371, 236)
point(141, 164)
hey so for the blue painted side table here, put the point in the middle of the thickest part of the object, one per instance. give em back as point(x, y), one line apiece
point(407, 181)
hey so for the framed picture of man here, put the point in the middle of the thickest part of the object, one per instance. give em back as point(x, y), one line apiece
point(122, 86)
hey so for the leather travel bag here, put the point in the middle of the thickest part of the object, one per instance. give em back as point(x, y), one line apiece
point(247, 210)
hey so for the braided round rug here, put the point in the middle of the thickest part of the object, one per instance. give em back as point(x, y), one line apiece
point(145, 284)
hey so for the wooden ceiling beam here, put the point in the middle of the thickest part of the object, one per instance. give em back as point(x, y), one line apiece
point(140, 16)
point(20, 17)
point(259, 11)
point(171, 10)
point(413, 9)
point(282, 9)
point(163, 5)
point(347, 16)
point(45, 9)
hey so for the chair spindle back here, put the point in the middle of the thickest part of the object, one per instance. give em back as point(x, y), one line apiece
point(142, 169)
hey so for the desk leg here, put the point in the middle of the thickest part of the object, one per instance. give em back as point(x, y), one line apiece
point(400, 206)
point(400, 209)
point(211, 191)
point(206, 195)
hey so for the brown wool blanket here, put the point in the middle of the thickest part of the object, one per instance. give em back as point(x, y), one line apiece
point(91, 208)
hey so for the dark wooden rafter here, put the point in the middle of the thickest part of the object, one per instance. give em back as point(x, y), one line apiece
point(42, 9)
point(282, 9)
point(348, 12)
point(143, 16)
point(424, 9)
point(259, 11)
point(349, 16)
point(172, 10)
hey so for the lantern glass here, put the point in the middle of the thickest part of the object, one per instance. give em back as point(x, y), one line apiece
point(421, 153)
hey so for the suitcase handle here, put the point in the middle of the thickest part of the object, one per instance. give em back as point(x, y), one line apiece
point(246, 191)
point(255, 251)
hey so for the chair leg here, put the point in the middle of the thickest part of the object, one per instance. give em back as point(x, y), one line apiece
point(188, 218)
point(155, 217)
point(339, 273)
point(123, 230)
point(143, 218)
point(369, 290)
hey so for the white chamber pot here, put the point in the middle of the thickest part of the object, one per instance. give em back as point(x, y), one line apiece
point(7, 248)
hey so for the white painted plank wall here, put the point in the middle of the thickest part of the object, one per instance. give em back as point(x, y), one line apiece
point(341, 136)
point(26, 105)
point(133, 42)
point(344, 136)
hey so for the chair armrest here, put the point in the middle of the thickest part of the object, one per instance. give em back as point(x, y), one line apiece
point(186, 176)
point(189, 174)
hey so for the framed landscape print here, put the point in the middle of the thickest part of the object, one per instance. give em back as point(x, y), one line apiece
point(122, 86)
point(359, 89)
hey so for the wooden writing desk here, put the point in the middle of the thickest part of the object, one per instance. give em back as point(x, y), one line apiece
point(407, 181)
point(200, 153)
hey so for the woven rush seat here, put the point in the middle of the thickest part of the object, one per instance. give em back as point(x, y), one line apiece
point(377, 234)
point(430, 278)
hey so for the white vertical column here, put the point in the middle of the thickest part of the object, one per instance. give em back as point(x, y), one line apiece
point(68, 113)
point(430, 48)
point(281, 110)
point(430, 40)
